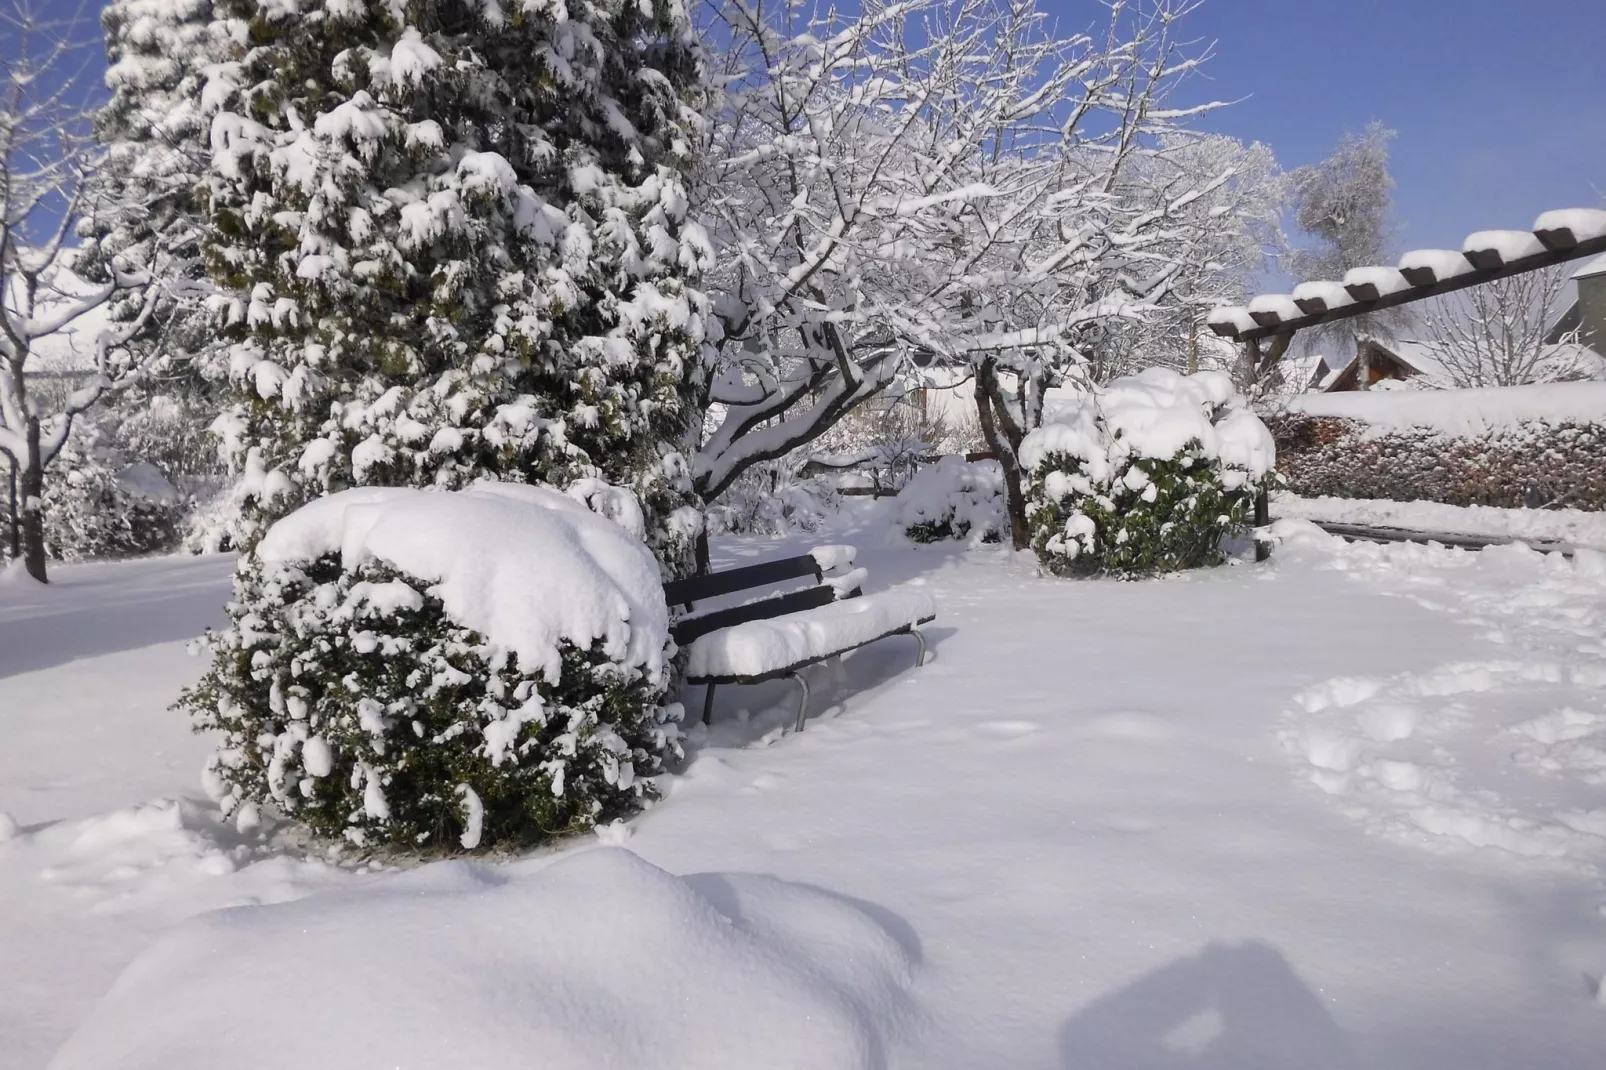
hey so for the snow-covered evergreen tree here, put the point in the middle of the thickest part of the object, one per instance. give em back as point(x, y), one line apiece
point(455, 241)
point(147, 186)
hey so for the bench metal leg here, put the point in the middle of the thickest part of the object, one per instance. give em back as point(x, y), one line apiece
point(920, 658)
point(803, 699)
point(708, 703)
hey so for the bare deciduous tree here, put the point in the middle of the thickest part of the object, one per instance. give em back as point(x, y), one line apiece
point(47, 165)
point(1494, 334)
point(941, 177)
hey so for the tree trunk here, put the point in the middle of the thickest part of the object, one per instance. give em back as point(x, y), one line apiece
point(701, 550)
point(997, 441)
point(13, 521)
point(33, 510)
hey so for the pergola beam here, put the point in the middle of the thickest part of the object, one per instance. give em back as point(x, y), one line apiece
point(1556, 238)
point(1548, 258)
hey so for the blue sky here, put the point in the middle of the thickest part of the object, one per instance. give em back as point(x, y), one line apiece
point(1500, 105)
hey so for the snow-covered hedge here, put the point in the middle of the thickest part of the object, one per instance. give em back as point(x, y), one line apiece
point(1535, 463)
point(440, 669)
point(1147, 475)
point(954, 499)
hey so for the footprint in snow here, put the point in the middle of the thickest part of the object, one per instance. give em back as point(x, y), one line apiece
point(1134, 725)
point(1007, 729)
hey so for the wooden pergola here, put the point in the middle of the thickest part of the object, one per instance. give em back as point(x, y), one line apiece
point(1556, 238)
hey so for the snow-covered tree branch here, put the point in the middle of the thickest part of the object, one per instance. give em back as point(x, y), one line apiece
point(1494, 334)
point(48, 194)
point(949, 178)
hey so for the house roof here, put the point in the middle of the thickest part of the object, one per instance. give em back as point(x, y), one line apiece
point(1302, 373)
point(1427, 360)
point(1424, 358)
point(1591, 268)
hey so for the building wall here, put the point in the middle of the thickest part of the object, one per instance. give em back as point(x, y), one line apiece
point(1592, 309)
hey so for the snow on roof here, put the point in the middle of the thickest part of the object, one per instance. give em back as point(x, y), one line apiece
point(1462, 413)
point(1591, 268)
point(1299, 373)
point(71, 349)
point(1423, 357)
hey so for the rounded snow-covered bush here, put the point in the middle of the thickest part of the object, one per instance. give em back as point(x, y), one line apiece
point(98, 506)
point(771, 499)
point(442, 669)
point(954, 499)
point(1146, 475)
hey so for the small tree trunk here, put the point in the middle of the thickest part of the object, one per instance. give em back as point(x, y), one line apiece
point(33, 509)
point(700, 548)
point(1262, 520)
point(1014, 499)
point(13, 521)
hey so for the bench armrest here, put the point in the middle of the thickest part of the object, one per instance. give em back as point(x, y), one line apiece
point(849, 585)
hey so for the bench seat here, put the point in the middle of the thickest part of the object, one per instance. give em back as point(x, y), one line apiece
point(776, 636)
point(759, 649)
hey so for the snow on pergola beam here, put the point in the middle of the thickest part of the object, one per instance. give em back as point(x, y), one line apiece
point(1557, 237)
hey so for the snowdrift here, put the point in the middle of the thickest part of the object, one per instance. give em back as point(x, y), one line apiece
point(599, 961)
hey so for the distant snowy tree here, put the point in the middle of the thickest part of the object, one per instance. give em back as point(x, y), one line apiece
point(48, 163)
point(1494, 334)
point(1343, 202)
point(938, 177)
point(100, 504)
point(1222, 242)
point(454, 241)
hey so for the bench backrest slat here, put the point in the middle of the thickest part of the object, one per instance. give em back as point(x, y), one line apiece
point(693, 627)
point(698, 588)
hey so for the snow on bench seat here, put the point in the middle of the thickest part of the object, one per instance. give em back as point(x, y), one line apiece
point(762, 647)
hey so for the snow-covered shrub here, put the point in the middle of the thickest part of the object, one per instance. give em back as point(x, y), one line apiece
point(1146, 475)
point(954, 499)
point(441, 670)
point(99, 505)
point(771, 499)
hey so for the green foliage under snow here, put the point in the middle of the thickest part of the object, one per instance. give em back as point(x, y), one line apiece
point(350, 701)
point(1146, 476)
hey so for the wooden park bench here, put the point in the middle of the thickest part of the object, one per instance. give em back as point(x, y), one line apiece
point(774, 637)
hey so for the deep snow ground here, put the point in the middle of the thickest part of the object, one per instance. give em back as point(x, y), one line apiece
point(1240, 819)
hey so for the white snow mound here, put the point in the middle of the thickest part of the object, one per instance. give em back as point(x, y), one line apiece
point(525, 566)
point(599, 961)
